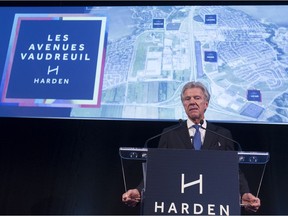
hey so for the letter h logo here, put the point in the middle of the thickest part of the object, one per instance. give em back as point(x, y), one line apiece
point(199, 181)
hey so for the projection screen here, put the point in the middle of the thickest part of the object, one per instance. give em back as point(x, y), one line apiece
point(131, 61)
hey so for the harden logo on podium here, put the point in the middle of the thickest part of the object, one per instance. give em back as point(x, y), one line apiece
point(185, 208)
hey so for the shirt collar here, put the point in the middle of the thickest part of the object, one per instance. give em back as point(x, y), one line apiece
point(190, 123)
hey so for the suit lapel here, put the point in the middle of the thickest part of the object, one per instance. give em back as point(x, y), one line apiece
point(209, 140)
point(184, 135)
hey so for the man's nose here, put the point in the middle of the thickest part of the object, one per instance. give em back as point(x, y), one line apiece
point(192, 100)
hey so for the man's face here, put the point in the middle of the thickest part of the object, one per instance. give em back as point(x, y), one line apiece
point(195, 104)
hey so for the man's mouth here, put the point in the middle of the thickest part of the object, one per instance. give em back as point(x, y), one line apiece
point(193, 109)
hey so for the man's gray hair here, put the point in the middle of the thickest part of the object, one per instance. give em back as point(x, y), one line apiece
point(193, 84)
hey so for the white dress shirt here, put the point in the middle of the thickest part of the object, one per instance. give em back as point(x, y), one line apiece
point(192, 130)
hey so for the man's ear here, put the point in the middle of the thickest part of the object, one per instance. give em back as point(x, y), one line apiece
point(206, 103)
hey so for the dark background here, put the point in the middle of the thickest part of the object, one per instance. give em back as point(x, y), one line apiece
point(57, 166)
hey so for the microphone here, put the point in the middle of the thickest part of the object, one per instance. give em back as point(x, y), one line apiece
point(238, 144)
point(167, 131)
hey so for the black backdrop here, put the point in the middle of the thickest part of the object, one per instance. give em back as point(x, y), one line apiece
point(58, 166)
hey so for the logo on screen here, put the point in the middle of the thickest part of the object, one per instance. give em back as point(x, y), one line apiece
point(55, 60)
point(254, 95)
point(158, 23)
point(210, 19)
point(210, 56)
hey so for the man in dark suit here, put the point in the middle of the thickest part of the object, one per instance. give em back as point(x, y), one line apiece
point(195, 99)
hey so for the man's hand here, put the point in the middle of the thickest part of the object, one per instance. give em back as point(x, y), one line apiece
point(132, 197)
point(250, 202)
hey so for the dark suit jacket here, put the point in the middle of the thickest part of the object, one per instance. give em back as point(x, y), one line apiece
point(179, 138)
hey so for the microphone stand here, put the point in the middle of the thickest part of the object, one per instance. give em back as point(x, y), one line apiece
point(167, 131)
point(218, 134)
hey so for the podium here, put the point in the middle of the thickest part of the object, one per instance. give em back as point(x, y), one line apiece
point(183, 181)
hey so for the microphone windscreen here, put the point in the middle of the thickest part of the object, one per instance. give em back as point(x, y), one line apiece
point(201, 122)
